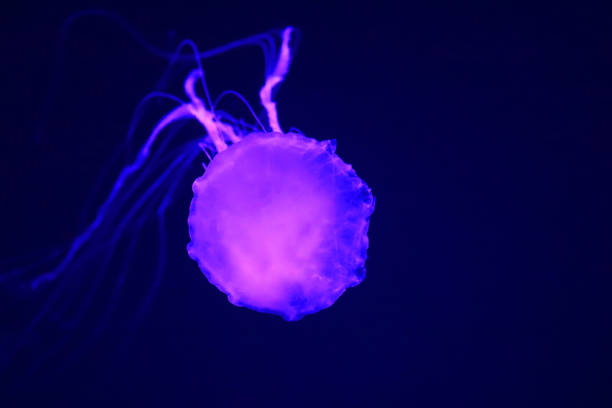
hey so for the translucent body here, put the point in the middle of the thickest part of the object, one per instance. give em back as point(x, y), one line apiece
point(279, 223)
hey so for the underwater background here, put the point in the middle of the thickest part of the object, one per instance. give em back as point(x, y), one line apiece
point(484, 133)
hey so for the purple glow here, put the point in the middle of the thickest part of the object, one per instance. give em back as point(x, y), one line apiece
point(278, 221)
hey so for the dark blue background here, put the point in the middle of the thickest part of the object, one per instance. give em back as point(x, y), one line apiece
point(484, 133)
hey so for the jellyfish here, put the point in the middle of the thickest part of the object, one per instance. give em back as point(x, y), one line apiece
point(278, 222)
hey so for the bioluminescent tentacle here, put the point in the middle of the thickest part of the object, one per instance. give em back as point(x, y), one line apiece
point(121, 225)
point(195, 109)
point(243, 100)
point(198, 110)
point(275, 78)
point(57, 346)
point(181, 112)
point(20, 273)
point(296, 130)
point(185, 160)
point(89, 339)
point(54, 296)
point(161, 262)
point(140, 107)
point(239, 126)
point(125, 149)
point(182, 162)
point(193, 76)
point(80, 240)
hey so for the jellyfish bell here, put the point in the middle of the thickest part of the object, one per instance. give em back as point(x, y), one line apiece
point(279, 223)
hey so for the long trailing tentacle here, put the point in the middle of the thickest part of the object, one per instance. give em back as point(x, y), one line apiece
point(181, 112)
point(182, 162)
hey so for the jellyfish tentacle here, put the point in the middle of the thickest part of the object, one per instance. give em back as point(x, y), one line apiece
point(111, 244)
point(150, 96)
point(122, 224)
point(208, 120)
point(181, 112)
point(194, 109)
point(182, 161)
point(128, 192)
point(228, 132)
point(56, 347)
point(275, 78)
point(161, 261)
point(244, 101)
point(205, 116)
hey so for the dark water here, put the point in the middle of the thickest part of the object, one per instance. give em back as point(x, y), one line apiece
point(484, 134)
